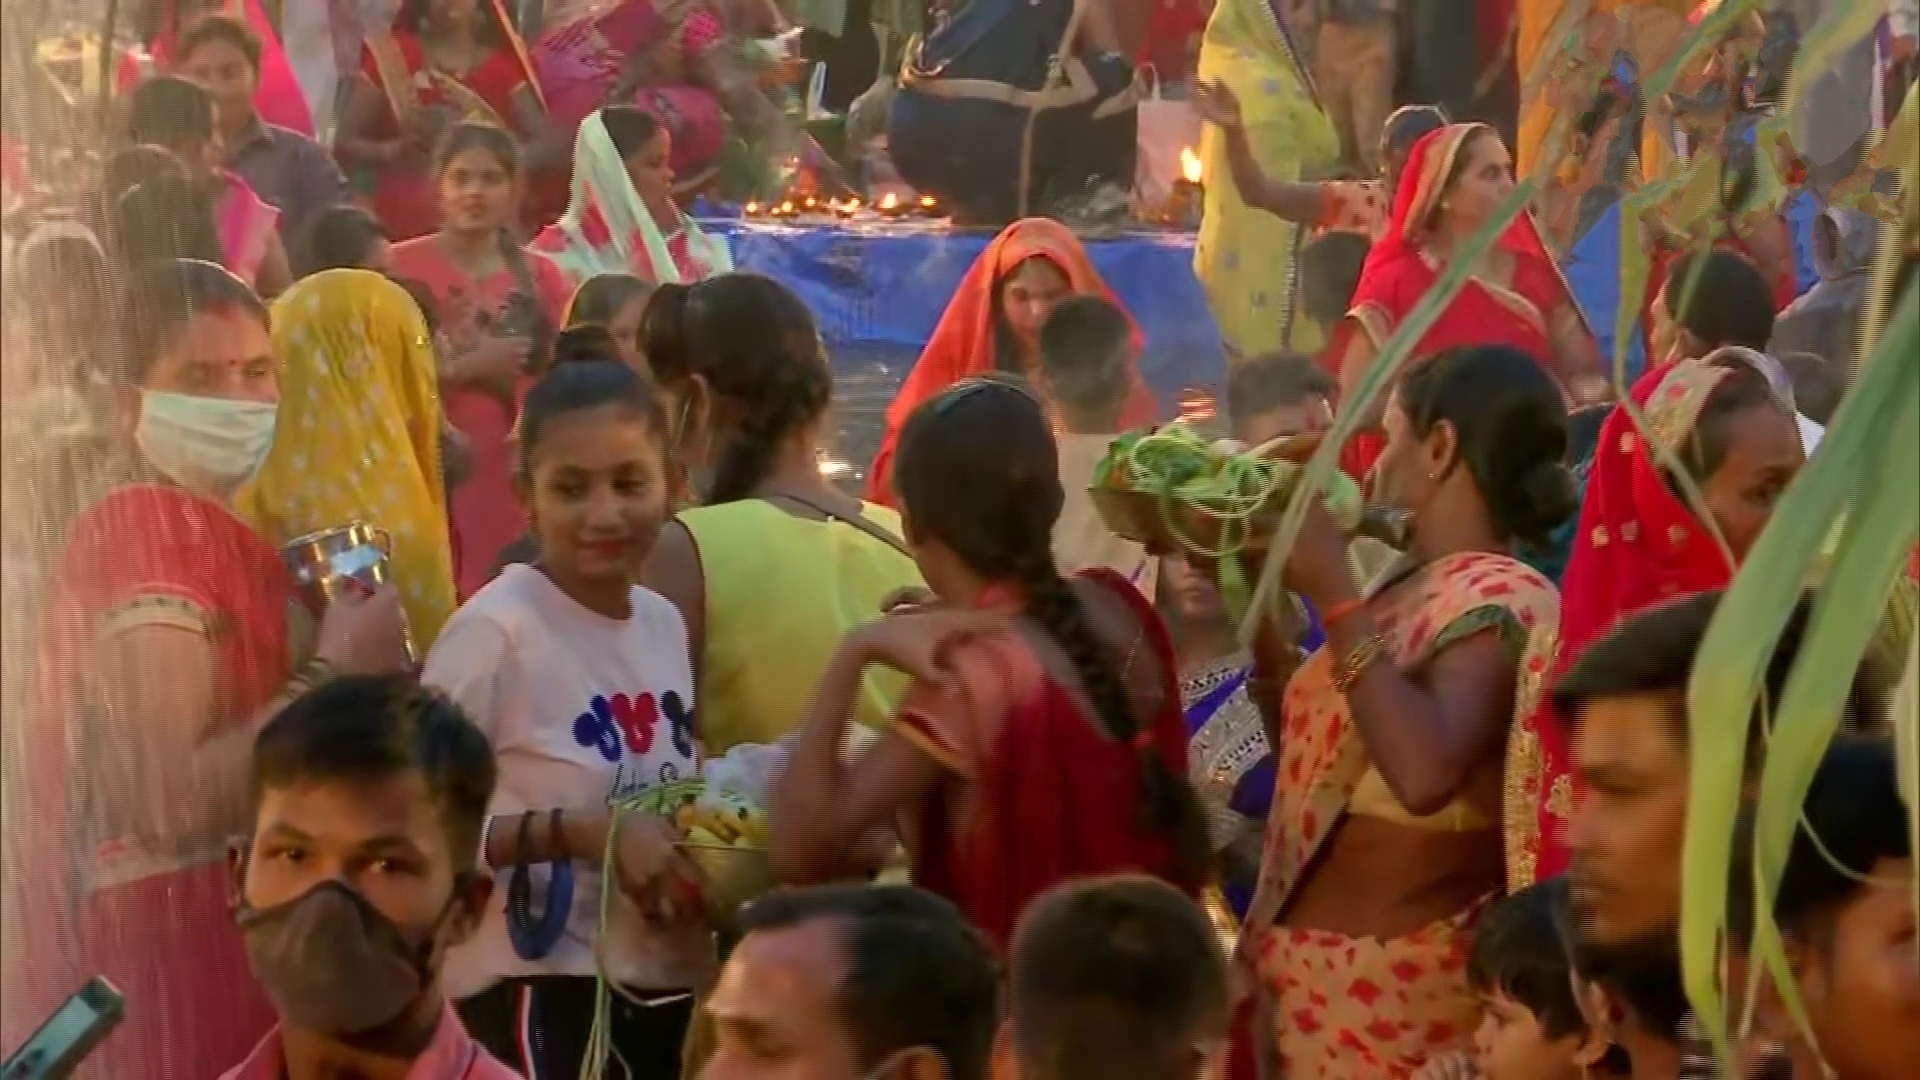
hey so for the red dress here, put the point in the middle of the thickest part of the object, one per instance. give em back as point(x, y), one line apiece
point(150, 914)
point(1399, 272)
point(1041, 795)
point(1638, 545)
point(484, 512)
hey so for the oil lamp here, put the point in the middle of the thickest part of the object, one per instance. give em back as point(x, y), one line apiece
point(1184, 202)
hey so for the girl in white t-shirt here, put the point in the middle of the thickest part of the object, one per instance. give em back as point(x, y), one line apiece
point(582, 682)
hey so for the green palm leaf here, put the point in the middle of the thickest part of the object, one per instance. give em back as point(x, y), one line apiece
point(1876, 492)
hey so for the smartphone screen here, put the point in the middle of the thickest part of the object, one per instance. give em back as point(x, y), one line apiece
point(68, 1035)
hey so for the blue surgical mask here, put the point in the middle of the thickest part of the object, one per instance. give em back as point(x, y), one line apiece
point(196, 441)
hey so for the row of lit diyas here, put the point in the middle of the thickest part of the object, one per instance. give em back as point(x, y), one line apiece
point(890, 205)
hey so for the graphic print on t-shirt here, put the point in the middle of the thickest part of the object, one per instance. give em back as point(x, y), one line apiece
point(626, 731)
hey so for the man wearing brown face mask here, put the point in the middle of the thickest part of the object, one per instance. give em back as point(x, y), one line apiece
point(368, 797)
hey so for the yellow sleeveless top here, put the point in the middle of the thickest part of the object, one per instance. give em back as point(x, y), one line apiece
point(781, 591)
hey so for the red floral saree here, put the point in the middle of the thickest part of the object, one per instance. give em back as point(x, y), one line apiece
point(1347, 1008)
point(1638, 545)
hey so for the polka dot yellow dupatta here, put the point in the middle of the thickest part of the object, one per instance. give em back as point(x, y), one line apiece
point(358, 435)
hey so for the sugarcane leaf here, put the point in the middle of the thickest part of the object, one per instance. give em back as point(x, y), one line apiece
point(1727, 675)
point(1874, 543)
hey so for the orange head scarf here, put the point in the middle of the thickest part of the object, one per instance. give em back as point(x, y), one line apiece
point(964, 342)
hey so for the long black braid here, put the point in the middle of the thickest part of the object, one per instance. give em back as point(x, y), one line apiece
point(756, 345)
point(978, 469)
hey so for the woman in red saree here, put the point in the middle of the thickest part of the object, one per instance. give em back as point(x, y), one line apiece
point(442, 62)
point(171, 633)
point(1639, 544)
point(1043, 739)
point(993, 324)
point(497, 305)
point(1383, 842)
point(1454, 181)
point(279, 100)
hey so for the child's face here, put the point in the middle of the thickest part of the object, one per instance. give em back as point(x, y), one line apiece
point(598, 493)
point(1309, 416)
point(1512, 1044)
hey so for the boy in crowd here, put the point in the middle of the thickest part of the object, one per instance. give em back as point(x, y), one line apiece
point(1625, 706)
point(1330, 268)
point(1845, 907)
point(368, 797)
point(1116, 979)
point(885, 982)
point(1279, 395)
point(1541, 1017)
point(221, 54)
point(1086, 365)
point(1531, 1026)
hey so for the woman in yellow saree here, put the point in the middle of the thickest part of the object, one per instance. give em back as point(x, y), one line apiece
point(359, 433)
point(1245, 256)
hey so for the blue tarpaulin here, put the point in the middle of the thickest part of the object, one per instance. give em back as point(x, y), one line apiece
point(881, 289)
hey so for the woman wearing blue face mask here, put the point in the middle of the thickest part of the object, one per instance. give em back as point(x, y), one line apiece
point(172, 634)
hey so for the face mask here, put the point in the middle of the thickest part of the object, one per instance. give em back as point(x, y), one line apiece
point(333, 964)
point(195, 440)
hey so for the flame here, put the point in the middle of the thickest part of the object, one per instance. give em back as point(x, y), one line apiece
point(786, 207)
point(1196, 406)
point(926, 202)
point(1190, 165)
point(889, 201)
point(752, 208)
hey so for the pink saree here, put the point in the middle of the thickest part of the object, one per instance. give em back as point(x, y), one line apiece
point(580, 62)
point(246, 223)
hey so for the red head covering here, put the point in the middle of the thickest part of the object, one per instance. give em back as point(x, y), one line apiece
point(963, 344)
point(1423, 184)
point(1399, 272)
point(1639, 545)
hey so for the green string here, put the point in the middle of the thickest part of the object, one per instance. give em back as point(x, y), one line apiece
point(1177, 465)
point(664, 802)
point(1185, 472)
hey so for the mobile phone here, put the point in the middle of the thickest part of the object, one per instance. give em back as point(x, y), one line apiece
point(81, 1024)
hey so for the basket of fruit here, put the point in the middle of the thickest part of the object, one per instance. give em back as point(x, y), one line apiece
point(1172, 490)
point(724, 833)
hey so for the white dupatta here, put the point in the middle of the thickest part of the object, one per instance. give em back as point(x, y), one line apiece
point(600, 180)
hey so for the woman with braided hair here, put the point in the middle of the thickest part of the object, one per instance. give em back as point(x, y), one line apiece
point(1042, 739)
point(777, 564)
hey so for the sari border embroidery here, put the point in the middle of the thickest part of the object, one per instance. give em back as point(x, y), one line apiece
point(156, 605)
point(922, 731)
point(1324, 758)
point(1526, 761)
point(1375, 321)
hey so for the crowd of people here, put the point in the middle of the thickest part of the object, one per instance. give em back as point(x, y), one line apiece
point(1044, 803)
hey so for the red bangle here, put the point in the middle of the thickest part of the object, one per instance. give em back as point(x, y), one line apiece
point(1341, 610)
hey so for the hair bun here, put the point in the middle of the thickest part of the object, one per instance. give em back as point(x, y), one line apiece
point(1551, 495)
point(585, 344)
